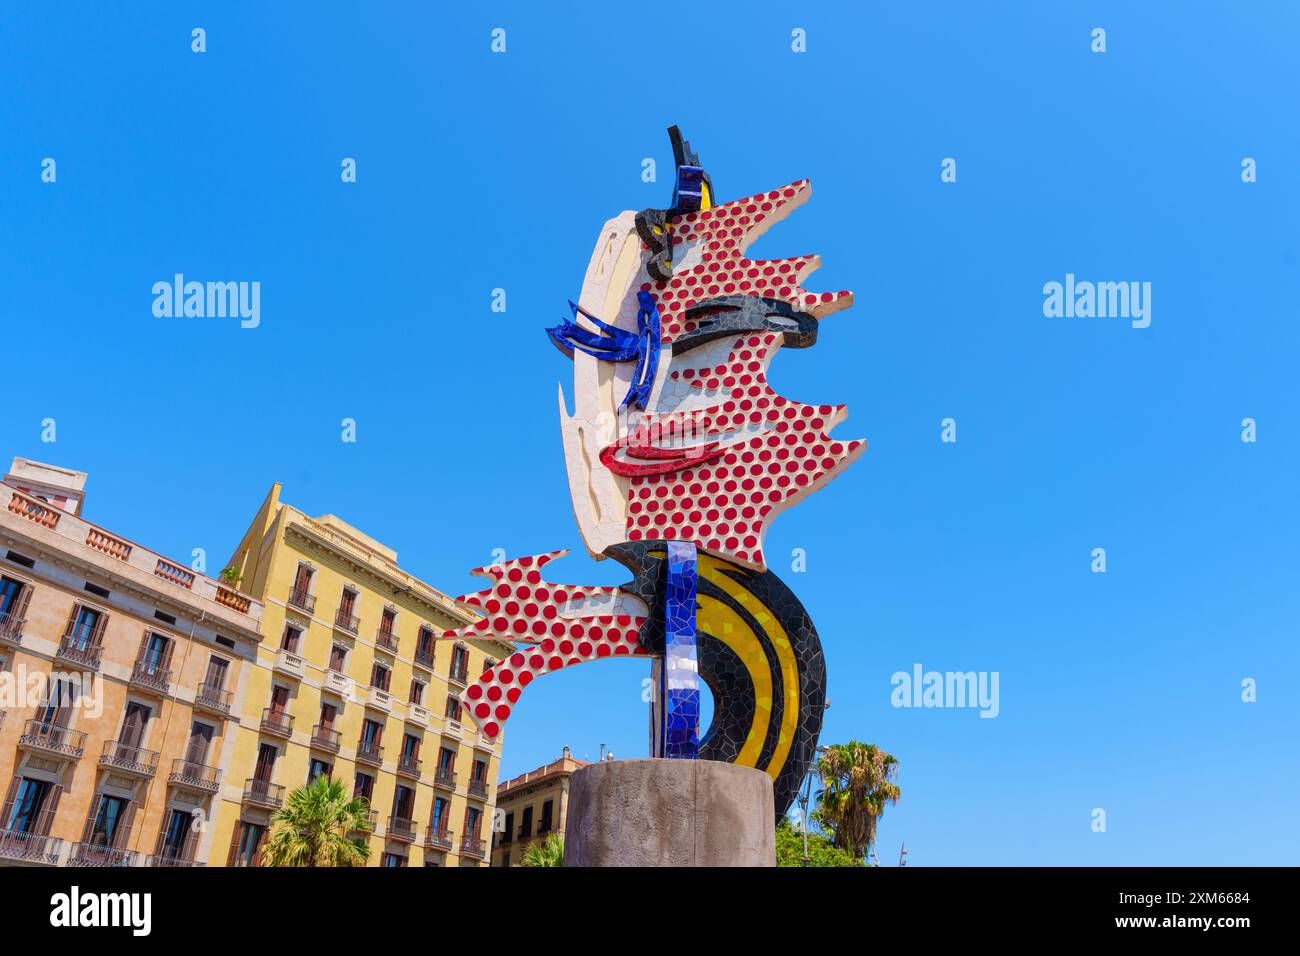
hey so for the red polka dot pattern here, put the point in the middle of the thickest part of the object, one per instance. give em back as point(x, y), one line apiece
point(520, 607)
point(724, 233)
point(726, 504)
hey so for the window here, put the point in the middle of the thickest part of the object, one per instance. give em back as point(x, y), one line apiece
point(372, 731)
point(177, 827)
point(473, 816)
point(453, 709)
point(58, 706)
point(410, 746)
point(394, 859)
point(347, 602)
point(134, 723)
point(30, 802)
point(292, 636)
point(109, 822)
point(480, 771)
point(380, 676)
point(279, 699)
point(338, 657)
point(505, 858)
point(319, 768)
point(215, 678)
point(388, 622)
point(364, 787)
point(459, 663)
point(546, 823)
point(424, 647)
point(508, 831)
point(417, 692)
point(85, 627)
point(196, 752)
point(155, 655)
point(266, 755)
point(302, 581)
point(11, 592)
point(526, 824)
point(403, 802)
point(328, 714)
point(446, 760)
point(440, 810)
point(248, 844)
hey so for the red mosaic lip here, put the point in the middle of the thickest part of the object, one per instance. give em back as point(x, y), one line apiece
point(643, 460)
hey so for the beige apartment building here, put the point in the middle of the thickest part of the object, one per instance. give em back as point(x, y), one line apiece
point(119, 671)
point(534, 805)
point(352, 681)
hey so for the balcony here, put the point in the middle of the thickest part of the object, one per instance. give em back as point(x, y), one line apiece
point(228, 597)
point(92, 854)
point(33, 510)
point(346, 621)
point(381, 699)
point(105, 542)
point(264, 794)
point(438, 839)
point(19, 847)
point(445, 778)
point(419, 714)
point(277, 722)
point(478, 789)
point(386, 641)
point(424, 658)
point(401, 828)
point(339, 683)
point(289, 663)
point(459, 675)
point(451, 728)
point(302, 601)
point(74, 649)
point(167, 854)
point(151, 675)
point(128, 759)
point(177, 575)
point(11, 629)
point(325, 738)
point(170, 861)
point(408, 765)
point(370, 752)
point(213, 699)
point(50, 738)
point(189, 775)
point(471, 847)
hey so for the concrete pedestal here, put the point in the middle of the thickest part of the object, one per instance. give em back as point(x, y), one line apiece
point(669, 813)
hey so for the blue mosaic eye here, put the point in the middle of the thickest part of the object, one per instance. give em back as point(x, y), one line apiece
point(611, 344)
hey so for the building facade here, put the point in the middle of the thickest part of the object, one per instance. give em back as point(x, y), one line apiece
point(120, 671)
point(533, 806)
point(352, 681)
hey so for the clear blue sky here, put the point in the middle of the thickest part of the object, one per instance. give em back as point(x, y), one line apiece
point(477, 171)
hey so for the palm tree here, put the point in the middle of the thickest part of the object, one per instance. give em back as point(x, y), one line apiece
point(320, 825)
point(550, 853)
point(857, 781)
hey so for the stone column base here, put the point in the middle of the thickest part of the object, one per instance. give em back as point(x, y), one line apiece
point(669, 813)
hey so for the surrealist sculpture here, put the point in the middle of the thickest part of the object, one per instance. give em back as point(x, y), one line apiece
point(679, 455)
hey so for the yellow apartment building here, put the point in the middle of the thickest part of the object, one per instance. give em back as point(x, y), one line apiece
point(351, 680)
point(120, 674)
point(533, 806)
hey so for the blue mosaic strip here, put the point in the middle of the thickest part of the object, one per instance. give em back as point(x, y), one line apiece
point(680, 673)
point(612, 344)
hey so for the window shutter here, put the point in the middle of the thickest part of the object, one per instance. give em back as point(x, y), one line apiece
point(72, 620)
point(261, 843)
point(45, 820)
point(122, 835)
point(19, 609)
point(7, 811)
point(91, 817)
point(97, 636)
point(166, 661)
